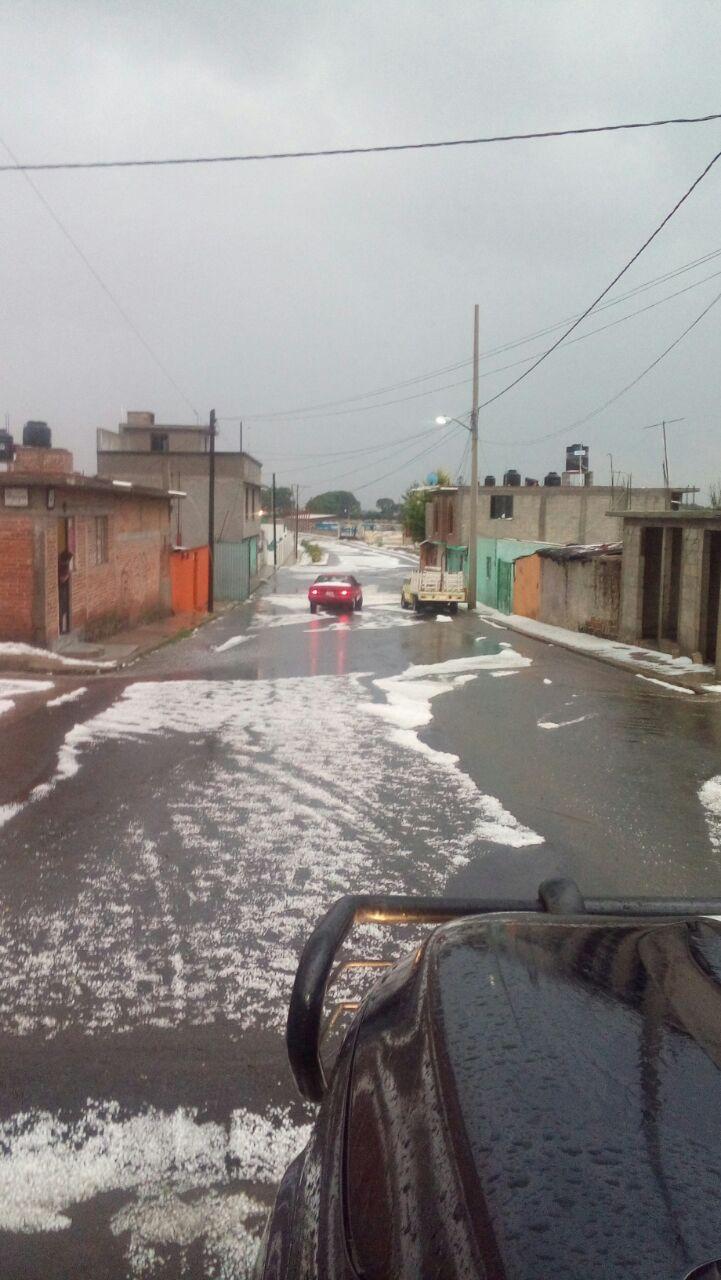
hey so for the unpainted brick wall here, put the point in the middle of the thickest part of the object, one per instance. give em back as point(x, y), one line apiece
point(16, 578)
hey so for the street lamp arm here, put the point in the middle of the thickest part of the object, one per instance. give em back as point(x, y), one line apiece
point(442, 420)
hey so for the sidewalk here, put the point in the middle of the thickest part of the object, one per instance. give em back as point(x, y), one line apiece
point(93, 657)
point(85, 657)
point(680, 674)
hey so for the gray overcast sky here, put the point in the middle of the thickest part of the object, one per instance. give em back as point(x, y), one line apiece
point(270, 287)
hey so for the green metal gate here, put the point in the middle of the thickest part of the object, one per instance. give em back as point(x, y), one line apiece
point(231, 570)
point(505, 586)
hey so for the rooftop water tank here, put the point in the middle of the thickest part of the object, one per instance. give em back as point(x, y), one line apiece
point(7, 446)
point(37, 435)
point(489, 482)
point(552, 479)
point(512, 478)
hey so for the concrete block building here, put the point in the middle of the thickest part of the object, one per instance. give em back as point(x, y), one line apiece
point(79, 556)
point(172, 456)
point(671, 582)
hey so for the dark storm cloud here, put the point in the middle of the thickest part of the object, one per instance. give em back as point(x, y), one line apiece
point(272, 287)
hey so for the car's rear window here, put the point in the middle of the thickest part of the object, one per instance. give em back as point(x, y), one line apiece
point(333, 577)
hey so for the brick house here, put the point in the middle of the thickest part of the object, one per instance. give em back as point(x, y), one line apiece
point(79, 555)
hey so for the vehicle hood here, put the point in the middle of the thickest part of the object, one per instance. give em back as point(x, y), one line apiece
point(537, 1099)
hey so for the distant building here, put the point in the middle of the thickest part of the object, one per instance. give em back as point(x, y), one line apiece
point(79, 556)
point(175, 456)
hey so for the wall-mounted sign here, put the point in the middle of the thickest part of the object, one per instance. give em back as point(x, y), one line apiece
point(17, 497)
point(51, 499)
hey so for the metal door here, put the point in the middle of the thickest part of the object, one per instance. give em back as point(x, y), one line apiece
point(505, 586)
point(231, 570)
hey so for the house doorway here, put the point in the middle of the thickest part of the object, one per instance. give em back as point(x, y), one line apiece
point(65, 564)
point(651, 549)
point(713, 561)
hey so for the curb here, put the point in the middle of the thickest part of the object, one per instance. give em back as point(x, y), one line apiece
point(684, 679)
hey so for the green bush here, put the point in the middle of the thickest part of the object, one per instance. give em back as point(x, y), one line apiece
point(313, 550)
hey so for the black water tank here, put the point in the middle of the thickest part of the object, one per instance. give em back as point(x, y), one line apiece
point(552, 479)
point(531, 483)
point(7, 446)
point(36, 435)
point(512, 478)
point(489, 482)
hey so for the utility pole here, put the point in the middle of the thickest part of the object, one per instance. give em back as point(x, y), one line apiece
point(473, 539)
point(241, 435)
point(665, 453)
point(275, 539)
point(297, 517)
point(211, 513)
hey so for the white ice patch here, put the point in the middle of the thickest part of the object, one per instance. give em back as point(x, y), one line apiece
point(546, 680)
point(67, 697)
point(443, 617)
point(282, 797)
point(231, 644)
point(560, 724)
point(665, 684)
point(499, 675)
point(175, 1165)
point(711, 688)
point(408, 708)
point(710, 797)
point(13, 688)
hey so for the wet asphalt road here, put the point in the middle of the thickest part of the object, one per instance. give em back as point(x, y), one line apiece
point(175, 831)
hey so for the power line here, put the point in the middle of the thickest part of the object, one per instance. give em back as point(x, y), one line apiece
point(99, 280)
point(538, 135)
point(629, 386)
point(544, 356)
point(485, 355)
point(489, 373)
point(424, 452)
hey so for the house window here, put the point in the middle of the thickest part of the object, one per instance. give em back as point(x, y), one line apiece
point(101, 539)
point(158, 442)
point(502, 506)
point(489, 567)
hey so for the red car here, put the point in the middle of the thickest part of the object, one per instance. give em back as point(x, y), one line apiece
point(335, 591)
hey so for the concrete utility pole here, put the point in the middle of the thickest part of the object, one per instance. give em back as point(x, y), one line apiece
point(473, 534)
point(275, 539)
point(666, 422)
point(211, 513)
point(297, 517)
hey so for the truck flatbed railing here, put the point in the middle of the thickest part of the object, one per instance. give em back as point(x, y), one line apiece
point(557, 897)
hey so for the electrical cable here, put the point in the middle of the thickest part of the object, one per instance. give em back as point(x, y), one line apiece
point(105, 288)
point(527, 372)
point(629, 386)
point(310, 410)
point(537, 135)
point(489, 373)
point(424, 452)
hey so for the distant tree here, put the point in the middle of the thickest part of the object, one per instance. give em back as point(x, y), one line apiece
point(337, 502)
point(284, 499)
point(714, 495)
point(387, 507)
point(414, 503)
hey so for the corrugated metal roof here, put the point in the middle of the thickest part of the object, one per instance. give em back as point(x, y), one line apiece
point(581, 551)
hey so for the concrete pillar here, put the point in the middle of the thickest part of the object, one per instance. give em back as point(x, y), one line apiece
point(691, 611)
point(629, 623)
point(582, 517)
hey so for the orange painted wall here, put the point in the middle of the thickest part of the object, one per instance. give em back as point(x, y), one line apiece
point(527, 587)
point(189, 580)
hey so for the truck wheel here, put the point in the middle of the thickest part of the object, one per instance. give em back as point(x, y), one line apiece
point(314, 608)
point(453, 608)
point(404, 602)
point(359, 603)
point(417, 605)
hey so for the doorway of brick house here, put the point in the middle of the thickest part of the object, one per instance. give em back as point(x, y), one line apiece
point(65, 563)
